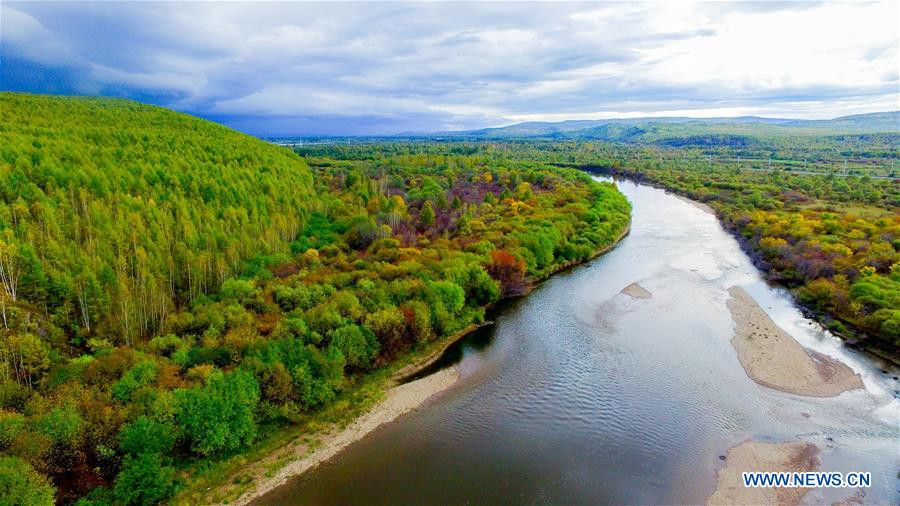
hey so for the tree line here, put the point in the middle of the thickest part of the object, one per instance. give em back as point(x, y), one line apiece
point(173, 290)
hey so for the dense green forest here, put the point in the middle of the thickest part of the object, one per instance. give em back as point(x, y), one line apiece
point(833, 239)
point(875, 155)
point(865, 144)
point(174, 291)
point(114, 213)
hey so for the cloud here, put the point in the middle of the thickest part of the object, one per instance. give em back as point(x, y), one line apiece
point(359, 68)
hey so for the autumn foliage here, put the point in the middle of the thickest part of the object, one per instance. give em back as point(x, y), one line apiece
point(170, 290)
point(509, 271)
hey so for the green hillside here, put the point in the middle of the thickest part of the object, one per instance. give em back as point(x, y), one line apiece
point(114, 212)
point(178, 298)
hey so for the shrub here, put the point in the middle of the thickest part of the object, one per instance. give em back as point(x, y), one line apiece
point(220, 415)
point(146, 435)
point(21, 484)
point(138, 376)
point(358, 345)
point(145, 479)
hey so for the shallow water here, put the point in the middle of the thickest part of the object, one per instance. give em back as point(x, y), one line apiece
point(581, 394)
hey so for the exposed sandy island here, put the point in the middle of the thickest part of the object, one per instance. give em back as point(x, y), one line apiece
point(636, 291)
point(772, 358)
point(399, 401)
point(774, 457)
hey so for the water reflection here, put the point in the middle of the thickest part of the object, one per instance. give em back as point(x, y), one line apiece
point(581, 394)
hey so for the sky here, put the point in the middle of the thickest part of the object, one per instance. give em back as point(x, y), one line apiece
point(375, 68)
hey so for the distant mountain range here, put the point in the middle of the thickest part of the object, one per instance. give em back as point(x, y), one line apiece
point(659, 129)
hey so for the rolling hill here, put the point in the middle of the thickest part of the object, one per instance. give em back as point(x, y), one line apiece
point(117, 211)
point(651, 130)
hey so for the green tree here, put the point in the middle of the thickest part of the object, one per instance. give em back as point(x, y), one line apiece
point(426, 217)
point(138, 376)
point(358, 345)
point(219, 416)
point(21, 485)
point(145, 479)
point(146, 435)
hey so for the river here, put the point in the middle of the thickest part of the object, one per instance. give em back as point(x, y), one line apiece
point(583, 395)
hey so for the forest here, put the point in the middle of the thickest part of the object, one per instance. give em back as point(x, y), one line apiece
point(173, 291)
point(831, 238)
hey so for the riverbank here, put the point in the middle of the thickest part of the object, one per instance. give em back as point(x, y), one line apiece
point(774, 359)
point(574, 263)
point(295, 450)
point(751, 456)
point(399, 400)
point(407, 372)
point(706, 208)
point(848, 331)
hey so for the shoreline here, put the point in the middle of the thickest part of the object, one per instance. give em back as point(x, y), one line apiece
point(407, 372)
point(411, 370)
point(399, 401)
point(855, 338)
point(773, 358)
point(696, 203)
point(575, 263)
point(752, 456)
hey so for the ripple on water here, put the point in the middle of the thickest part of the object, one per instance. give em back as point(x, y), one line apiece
point(585, 396)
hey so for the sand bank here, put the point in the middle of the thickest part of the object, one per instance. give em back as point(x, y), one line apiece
point(774, 457)
point(772, 358)
point(696, 203)
point(399, 401)
point(636, 291)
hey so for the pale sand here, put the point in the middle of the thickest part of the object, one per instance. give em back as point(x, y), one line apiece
point(696, 203)
point(636, 291)
point(773, 457)
point(399, 401)
point(772, 358)
point(410, 370)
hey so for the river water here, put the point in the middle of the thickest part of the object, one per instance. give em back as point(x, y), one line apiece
point(583, 395)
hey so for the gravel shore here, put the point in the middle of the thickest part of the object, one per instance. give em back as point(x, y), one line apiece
point(399, 401)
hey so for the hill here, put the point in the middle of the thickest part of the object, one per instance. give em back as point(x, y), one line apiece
point(112, 212)
point(177, 297)
point(663, 128)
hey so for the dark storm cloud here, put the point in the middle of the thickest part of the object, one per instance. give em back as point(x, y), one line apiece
point(378, 68)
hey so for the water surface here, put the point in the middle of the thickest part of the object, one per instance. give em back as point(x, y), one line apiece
point(582, 395)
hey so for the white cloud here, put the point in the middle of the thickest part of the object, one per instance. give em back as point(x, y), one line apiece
point(471, 65)
point(825, 46)
point(32, 40)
